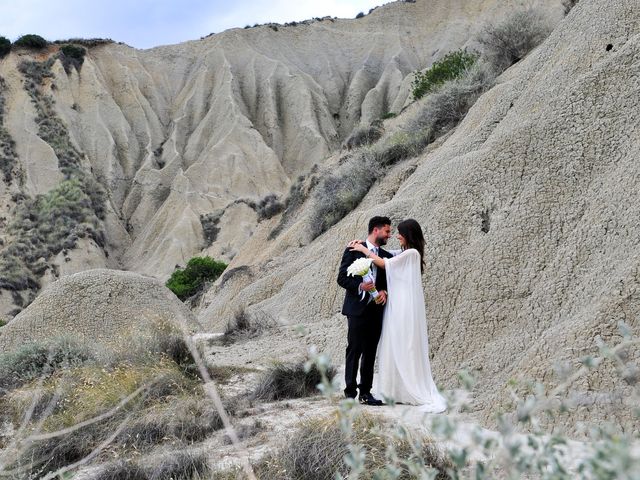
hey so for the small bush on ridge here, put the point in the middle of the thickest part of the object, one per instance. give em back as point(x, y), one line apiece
point(190, 280)
point(31, 41)
point(5, 46)
point(86, 42)
point(451, 66)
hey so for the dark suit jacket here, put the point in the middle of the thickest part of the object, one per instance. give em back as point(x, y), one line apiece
point(353, 305)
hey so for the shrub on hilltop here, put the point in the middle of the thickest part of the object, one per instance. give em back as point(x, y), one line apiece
point(31, 41)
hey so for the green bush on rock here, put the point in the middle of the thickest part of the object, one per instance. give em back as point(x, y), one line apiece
point(190, 280)
point(451, 66)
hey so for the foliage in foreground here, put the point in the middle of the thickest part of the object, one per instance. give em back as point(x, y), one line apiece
point(529, 442)
point(171, 465)
point(450, 67)
point(192, 279)
point(70, 405)
point(317, 449)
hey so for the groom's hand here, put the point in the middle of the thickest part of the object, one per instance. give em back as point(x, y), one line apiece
point(367, 286)
point(381, 299)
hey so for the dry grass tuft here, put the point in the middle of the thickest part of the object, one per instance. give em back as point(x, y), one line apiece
point(289, 380)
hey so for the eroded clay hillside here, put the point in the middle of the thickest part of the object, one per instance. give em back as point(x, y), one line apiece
point(531, 213)
point(162, 154)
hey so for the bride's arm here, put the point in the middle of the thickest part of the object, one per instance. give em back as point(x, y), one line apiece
point(377, 261)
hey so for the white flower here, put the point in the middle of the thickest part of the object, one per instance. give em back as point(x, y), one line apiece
point(359, 267)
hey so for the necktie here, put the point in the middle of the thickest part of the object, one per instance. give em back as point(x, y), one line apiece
point(374, 269)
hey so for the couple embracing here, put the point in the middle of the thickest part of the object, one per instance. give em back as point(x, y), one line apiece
point(386, 313)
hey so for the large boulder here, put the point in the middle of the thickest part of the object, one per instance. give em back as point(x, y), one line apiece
point(99, 308)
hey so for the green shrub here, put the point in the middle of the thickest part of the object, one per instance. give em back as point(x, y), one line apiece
point(451, 66)
point(507, 42)
point(388, 115)
point(31, 41)
point(5, 46)
point(289, 380)
point(360, 15)
point(190, 280)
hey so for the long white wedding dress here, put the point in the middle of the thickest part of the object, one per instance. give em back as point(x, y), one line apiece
point(404, 373)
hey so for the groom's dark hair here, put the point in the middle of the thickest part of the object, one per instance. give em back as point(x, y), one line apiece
point(378, 222)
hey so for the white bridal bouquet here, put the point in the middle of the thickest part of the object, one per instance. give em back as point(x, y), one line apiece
point(362, 267)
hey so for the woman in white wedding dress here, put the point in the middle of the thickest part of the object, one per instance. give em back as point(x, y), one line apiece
point(404, 373)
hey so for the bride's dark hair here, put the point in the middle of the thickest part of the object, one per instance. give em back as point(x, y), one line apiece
point(412, 233)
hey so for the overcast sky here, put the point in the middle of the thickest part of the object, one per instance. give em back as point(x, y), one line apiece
point(148, 23)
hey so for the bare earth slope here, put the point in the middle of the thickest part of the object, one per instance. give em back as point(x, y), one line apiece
point(181, 131)
point(531, 211)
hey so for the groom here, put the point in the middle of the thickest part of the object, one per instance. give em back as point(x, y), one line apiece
point(364, 315)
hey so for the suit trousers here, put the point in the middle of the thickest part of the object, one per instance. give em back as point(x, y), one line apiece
point(362, 345)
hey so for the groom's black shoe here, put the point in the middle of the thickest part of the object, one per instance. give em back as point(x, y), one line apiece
point(368, 399)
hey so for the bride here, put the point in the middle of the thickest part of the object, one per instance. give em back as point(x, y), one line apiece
point(403, 353)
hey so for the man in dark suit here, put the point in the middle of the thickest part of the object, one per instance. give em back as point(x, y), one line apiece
point(364, 314)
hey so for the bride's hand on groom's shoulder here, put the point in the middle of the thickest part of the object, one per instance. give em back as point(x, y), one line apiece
point(356, 245)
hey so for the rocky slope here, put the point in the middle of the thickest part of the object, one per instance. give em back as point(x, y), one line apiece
point(530, 209)
point(186, 139)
